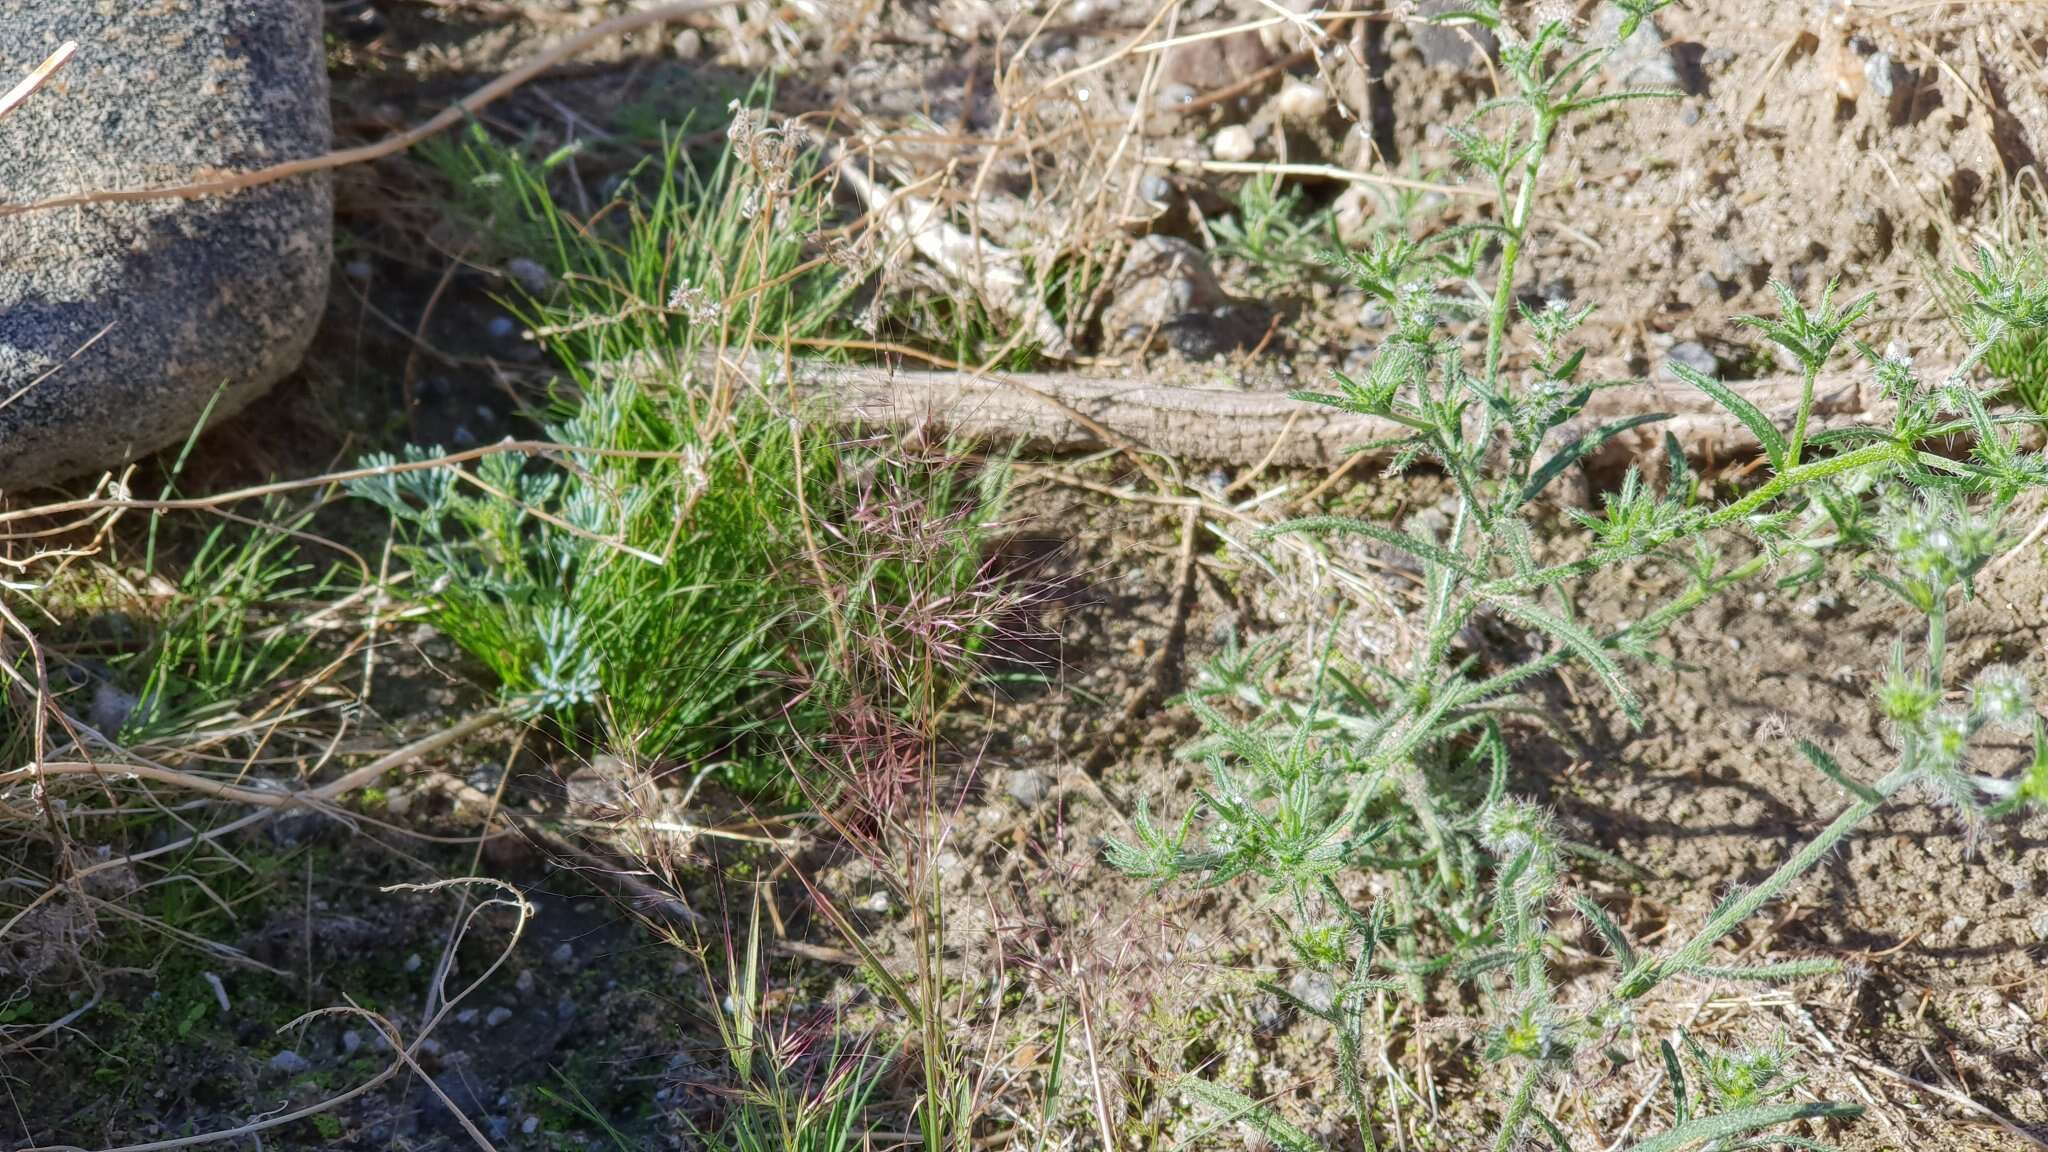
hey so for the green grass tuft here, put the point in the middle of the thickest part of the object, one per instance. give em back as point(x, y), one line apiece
point(692, 562)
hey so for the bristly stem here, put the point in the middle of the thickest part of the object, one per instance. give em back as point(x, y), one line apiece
point(1806, 377)
point(1511, 246)
point(1731, 915)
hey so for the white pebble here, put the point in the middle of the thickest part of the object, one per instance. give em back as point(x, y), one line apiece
point(1233, 144)
point(1301, 101)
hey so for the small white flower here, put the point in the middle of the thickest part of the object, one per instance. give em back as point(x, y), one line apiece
point(699, 306)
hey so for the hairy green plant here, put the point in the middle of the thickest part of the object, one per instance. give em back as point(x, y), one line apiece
point(1404, 770)
point(2015, 354)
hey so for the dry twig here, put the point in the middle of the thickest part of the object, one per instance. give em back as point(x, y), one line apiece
point(35, 79)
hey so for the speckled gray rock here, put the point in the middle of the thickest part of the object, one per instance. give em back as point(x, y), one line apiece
point(210, 295)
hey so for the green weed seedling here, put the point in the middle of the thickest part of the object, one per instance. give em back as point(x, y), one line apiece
point(1405, 770)
point(1272, 232)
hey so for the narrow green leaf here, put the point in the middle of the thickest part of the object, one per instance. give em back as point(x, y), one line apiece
point(1788, 970)
point(1752, 417)
point(1579, 447)
point(1617, 940)
point(1674, 1072)
point(1550, 1129)
point(1833, 771)
point(1052, 1081)
point(1581, 643)
point(1747, 1120)
point(1238, 1108)
point(1764, 1142)
point(1846, 436)
point(1485, 962)
point(1619, 97)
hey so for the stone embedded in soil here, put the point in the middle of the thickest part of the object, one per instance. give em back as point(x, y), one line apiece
point(1642, 61)
point(1301, 101)
point(120, 323)
point(1165, 291)
point(531, 277)
point(1233, 144)
point(1693, 355)
point(1444, 45)
point(290, 1063)
point(1027, 786)
point(1314, 989)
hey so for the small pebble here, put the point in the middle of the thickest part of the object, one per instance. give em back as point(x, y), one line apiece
point(466, 1016)
point(502, 328)
point(1156, 189)
point(413, 962)
point(529, 274)
point(220, 991)
point(563, 955)
point(1027, 787)
point(524, 985)
point(350, 1041)
point(688, 44)
point(530, 1125)
point(290, 1063)
point(1233, 144)
point(1693, 355)
point(498, 1016)
point(1314, 989)
point(1301, 101)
